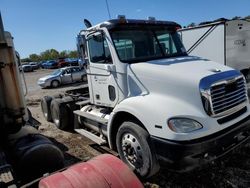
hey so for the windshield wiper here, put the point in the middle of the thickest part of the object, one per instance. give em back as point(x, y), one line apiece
point(158, 42)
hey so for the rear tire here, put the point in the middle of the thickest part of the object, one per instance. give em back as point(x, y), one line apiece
point(45, 105)
point(133, 145)
point(70, 106)
point(84, 78)
point(60, 114)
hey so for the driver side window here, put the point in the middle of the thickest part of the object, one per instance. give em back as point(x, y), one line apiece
point(98, 50)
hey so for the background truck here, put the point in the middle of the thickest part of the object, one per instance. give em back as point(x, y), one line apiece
point(24, 153)
point(224, 41)
point(150, 101)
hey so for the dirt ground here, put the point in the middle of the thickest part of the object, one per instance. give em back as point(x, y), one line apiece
point(231, 171)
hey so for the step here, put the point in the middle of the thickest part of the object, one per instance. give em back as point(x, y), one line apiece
point(91, 136)
point(91, 117)
point(82, 103)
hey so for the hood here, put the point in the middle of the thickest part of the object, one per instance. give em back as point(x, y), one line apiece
point(174, 76)
point(47, 77)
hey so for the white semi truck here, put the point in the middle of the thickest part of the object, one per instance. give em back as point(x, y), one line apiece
point(150, 101)
point(223, 41)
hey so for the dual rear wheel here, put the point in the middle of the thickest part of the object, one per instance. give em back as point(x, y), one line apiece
point(59, 110)
point(132, 141)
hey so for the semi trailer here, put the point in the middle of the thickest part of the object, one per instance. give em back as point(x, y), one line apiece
point(147, 99)
point(223, 41)
point(24, 153)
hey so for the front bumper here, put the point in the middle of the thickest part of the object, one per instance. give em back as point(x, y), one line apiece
point(42, 84)
point(186, 155)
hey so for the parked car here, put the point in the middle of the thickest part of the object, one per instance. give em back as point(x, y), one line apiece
point(34, 65)
point(62, 76)
point(26, 68)
point(72, 61)
point(51, 64)
point(61, 62)
point(82, 63)
point(42, 64)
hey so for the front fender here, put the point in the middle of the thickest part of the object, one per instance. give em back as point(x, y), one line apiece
point(154, 111)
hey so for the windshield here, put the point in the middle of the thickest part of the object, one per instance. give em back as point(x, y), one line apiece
point(146, 43)
point(56, 72)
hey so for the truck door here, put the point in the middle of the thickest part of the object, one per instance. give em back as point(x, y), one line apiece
point(101, 72)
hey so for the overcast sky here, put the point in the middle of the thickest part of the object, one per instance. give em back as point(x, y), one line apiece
point(38, 25)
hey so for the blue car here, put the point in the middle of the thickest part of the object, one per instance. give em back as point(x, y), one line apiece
point(72, 61)
point(50, 64)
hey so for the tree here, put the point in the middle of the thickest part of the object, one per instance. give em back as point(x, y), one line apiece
point(24, 60)
point(54, 54)
point(73, 54)
point(49, 54)
point(64, 53)
point(34, 57)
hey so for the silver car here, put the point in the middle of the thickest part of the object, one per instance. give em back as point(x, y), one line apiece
point(62, 76)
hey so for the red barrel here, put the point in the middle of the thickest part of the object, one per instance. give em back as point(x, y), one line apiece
point(104, 171)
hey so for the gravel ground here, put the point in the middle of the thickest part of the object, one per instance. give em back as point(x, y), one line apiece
point(231, 171)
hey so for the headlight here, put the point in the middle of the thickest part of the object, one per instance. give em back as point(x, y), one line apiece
point(41, 81)
point(183, 125)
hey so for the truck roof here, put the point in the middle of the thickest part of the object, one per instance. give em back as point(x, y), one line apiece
point(121, 22)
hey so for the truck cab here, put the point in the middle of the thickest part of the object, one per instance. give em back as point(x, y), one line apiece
point(154, 104)
point(118, 44)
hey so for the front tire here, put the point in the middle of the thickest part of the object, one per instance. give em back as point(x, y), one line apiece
point(133, 145)
point(55, 83)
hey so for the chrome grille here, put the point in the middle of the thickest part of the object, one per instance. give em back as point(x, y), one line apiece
point(227, 95)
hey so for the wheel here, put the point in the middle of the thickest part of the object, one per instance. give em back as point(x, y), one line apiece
point(45, 105)
point(59, 114)
point(70, 107)
point(133, 145)
point(84, 78)
point(55, 83)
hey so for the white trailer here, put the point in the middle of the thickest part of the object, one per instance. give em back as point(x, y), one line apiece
point(226, 42)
